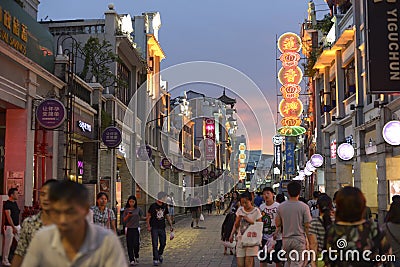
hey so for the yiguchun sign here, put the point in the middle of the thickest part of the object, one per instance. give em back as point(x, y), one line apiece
point(383, 30)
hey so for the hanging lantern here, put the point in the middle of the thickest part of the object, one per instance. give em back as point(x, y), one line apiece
point(345, 151)
point(391, 132)
point(317, 160)
point(307, 172)
point(310, 167)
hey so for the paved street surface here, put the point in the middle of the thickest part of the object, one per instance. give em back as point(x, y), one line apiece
point(190, 247)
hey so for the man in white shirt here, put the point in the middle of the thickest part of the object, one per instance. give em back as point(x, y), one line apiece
point(72, 241)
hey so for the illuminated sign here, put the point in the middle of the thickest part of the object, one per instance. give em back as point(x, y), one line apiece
point(210, 138)
point(290, 91)
point(289, 42)
point(24, 34)
point(85, 127)
point(290, 108)
point(80, 167)
point(242, 161)
point(290, 75)
point(333, 149)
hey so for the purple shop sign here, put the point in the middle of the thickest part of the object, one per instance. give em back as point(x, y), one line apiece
point(165, 164)
point(111, 137)
point(51, 113)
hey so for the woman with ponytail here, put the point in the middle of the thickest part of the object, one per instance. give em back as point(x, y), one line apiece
point(319, 226)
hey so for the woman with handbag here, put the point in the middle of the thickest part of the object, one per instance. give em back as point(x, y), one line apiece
point(392, 230)
point(249, 234)
point(102, 215)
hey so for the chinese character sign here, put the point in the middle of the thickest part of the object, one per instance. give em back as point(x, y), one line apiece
point(290, 76)
point(209, 125)
point(290, 161)
point(50, 113)
point(111, 137)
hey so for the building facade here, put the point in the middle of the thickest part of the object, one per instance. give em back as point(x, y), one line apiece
point(346, 109)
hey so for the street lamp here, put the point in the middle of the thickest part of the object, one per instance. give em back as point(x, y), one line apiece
point(71, 54)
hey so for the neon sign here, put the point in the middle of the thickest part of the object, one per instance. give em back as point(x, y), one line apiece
point(290, 76)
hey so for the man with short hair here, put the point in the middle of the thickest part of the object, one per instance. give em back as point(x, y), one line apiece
point(11, 223)
point(195, 208)
point(33, 223)
point(73, 241)
point(155, 219)
point(293, 216)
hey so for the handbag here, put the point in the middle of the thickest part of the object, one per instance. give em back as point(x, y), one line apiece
point(253, 235)
point(201, 217)
point(229, 244)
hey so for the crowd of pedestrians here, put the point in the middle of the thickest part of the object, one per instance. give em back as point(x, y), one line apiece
point(297, 232)
point(76, 234)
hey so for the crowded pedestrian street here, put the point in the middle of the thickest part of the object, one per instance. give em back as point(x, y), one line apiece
point(200, 133)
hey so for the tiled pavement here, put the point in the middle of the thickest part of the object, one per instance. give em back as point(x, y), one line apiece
point(190, 247)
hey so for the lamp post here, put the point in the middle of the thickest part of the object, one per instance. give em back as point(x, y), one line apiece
point(71, 55)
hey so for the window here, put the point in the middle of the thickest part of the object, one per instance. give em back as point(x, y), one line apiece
point(123, 90)
point(332, 86)
point(350, 80)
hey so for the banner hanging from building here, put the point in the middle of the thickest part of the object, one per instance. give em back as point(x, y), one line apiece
point(383, 46)
point(290, 162)
point(209, 125)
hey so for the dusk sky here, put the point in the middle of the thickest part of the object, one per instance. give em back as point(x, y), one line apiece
point(240, 34)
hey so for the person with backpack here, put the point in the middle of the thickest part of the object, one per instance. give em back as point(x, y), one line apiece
point(360, 235)
point(318, 228)
point(312, 203)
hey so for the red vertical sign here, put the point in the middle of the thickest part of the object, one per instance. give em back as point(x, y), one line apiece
point(210, 139)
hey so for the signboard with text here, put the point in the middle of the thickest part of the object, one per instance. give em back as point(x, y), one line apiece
point(290, 160)
point(210, 139)
point(50, 113)
point(25, 35)
point(111, 137)
point(383, 45)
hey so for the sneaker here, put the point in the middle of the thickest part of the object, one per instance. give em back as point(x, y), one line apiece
point(155, 263)
point(133, 263)
point(161, 259)
point(137, 260)
point(6, 263)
